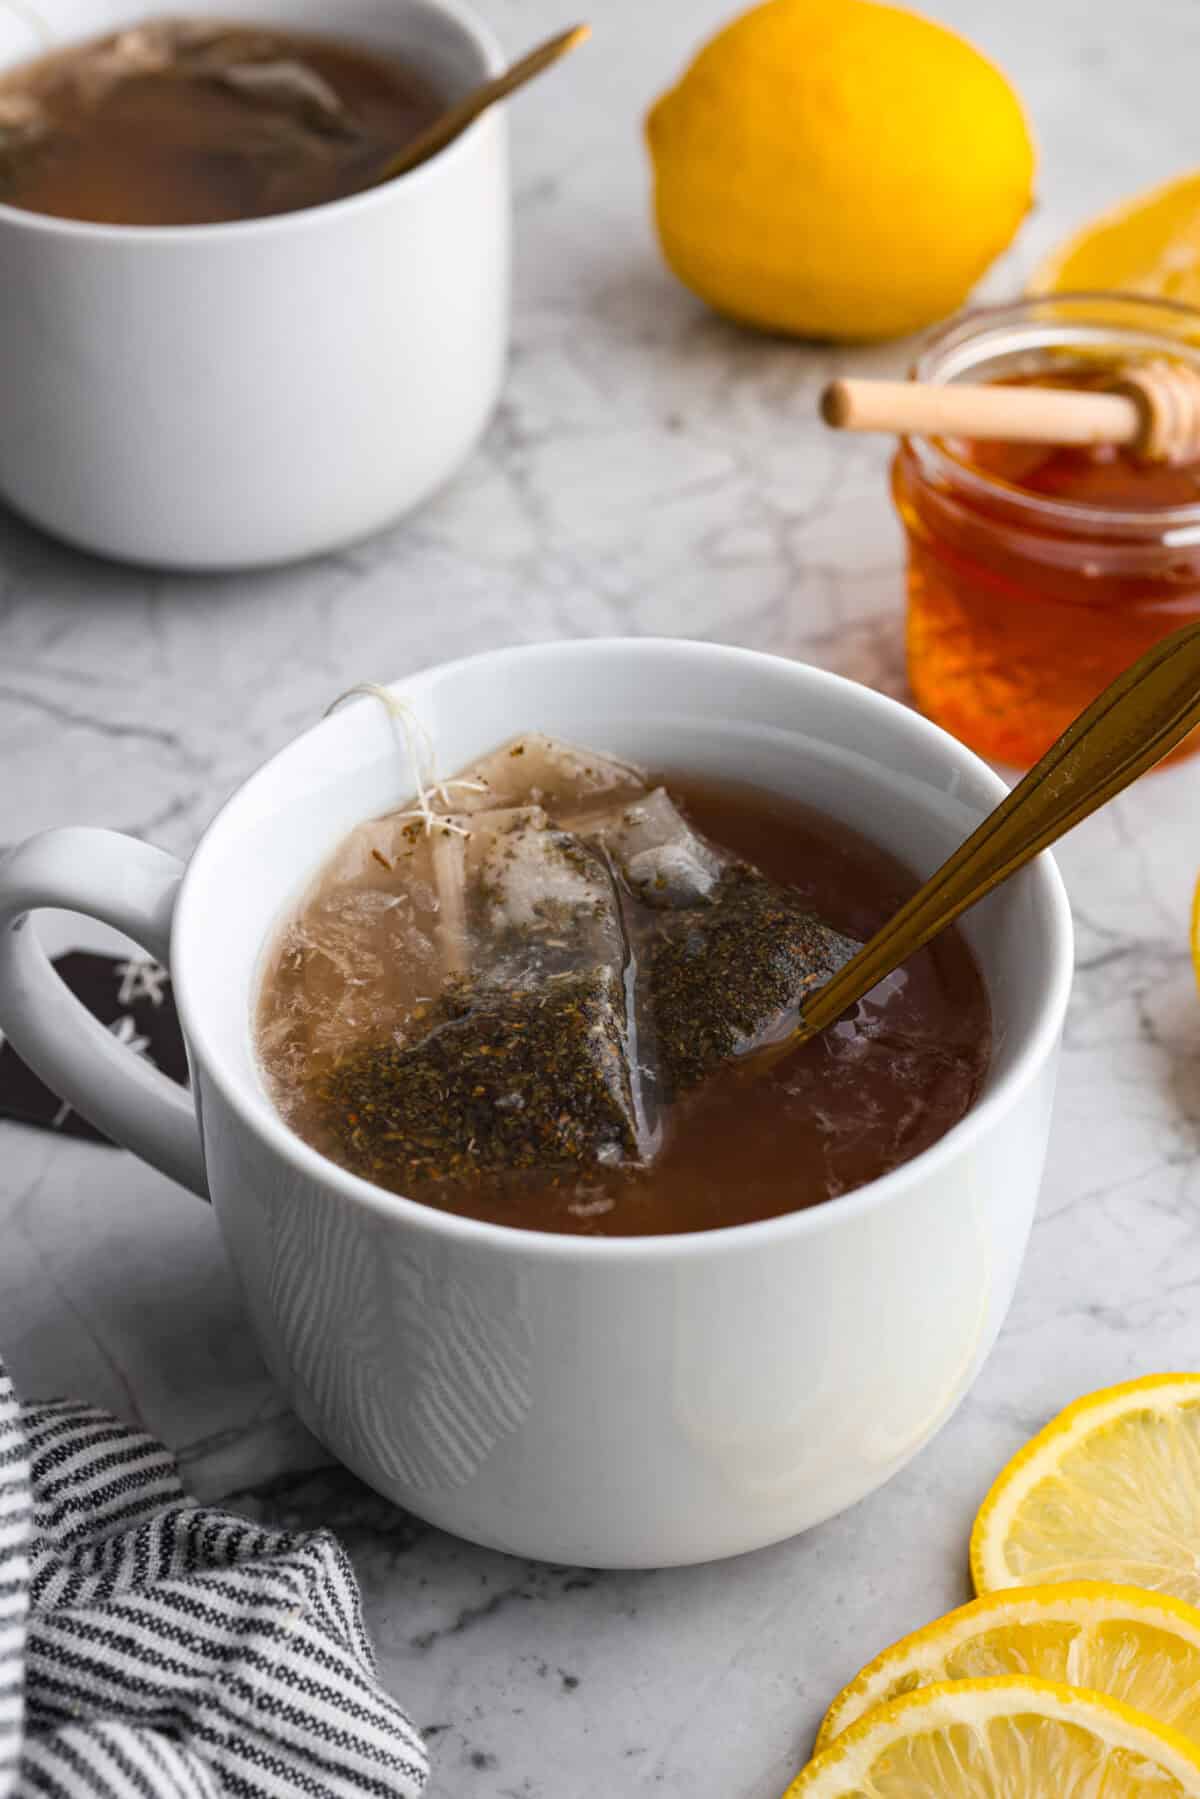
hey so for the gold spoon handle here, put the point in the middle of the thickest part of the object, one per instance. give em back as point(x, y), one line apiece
point(1135, 722)
point(465, 111)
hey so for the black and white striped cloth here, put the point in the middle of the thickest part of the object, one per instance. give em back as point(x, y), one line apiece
point(155, 1649)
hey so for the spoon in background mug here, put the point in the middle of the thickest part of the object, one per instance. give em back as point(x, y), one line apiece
point(465, 111)
point(1143, 715)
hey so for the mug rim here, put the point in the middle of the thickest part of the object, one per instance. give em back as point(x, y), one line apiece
point(272, 224)
point(268, 1126)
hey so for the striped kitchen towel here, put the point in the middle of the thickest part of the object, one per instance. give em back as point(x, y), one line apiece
point(155, 1649)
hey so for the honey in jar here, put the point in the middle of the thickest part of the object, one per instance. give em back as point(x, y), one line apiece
point(1036, 573)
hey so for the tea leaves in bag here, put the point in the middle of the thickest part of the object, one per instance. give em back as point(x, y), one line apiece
point(520, 1053)
point(725, 955)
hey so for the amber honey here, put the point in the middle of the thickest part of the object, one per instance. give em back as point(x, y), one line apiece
point(1037, 573)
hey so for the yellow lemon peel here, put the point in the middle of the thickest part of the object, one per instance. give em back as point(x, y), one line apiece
point(972, 1739)
point(1109, 1490)
point(1140, 1647)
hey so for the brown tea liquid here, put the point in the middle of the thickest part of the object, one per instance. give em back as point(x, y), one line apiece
point(176, 122)
point(865, 1097)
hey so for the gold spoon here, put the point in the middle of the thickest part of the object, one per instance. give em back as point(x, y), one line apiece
point(464, 112)
point(1135, 722)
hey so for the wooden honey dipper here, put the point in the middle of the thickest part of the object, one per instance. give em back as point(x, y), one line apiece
point(1153, 407)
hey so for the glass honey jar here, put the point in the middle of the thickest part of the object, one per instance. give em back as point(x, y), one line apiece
point(1037, 573)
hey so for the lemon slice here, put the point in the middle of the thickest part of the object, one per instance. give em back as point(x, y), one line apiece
point(1142, 1648)
point(978, 1739)
point(1110, 1490)
point(1147, 245)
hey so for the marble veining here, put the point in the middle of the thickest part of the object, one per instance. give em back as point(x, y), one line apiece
point(650, 470)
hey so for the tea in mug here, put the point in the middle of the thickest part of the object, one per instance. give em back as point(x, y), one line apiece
point(525, 999)
point(197, 122)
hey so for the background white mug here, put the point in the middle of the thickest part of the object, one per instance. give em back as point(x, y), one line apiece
point(216, 396)
point(614, 1402)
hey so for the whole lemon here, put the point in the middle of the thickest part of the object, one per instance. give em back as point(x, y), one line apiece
point(838, 168)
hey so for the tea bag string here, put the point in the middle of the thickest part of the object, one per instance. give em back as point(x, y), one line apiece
point(448, 847)
point(422, 757)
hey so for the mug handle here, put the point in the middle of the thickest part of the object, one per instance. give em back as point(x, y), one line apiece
point(133, 887)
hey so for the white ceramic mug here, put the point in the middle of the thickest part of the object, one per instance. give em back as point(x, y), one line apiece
point(615, 1402)
point(218, 396)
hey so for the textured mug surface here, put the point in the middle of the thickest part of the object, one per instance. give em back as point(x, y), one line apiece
point(218, 396)
point(613, 1402)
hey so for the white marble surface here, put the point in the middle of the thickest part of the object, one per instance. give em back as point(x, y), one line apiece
point(651, 470)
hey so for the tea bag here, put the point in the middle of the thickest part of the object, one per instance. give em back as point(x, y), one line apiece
point(503, 1080)
point(728, 975)
point(543, 771)
point(664, 862)
point(522, 1054)
point(241, 58)
point(725, 954)
point(290, 86)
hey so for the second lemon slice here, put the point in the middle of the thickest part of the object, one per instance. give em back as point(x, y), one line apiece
point(1024, 1738)
point(1143, 1648)
point(1109, 1490)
